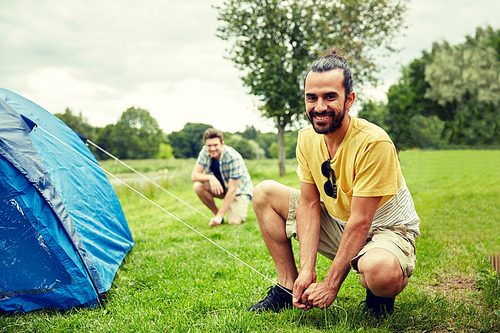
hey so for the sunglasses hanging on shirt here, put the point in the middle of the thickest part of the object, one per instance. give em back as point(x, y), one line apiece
point(329, 186)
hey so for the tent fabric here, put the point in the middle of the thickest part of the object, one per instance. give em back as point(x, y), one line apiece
point(63, 234)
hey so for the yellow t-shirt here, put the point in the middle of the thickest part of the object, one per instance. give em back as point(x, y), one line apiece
point(366, 165)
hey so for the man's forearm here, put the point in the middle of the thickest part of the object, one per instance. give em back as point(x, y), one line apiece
point(201, 177)
point(353, 240)
point(228, 197)
point(226, 203)
point(308, 227)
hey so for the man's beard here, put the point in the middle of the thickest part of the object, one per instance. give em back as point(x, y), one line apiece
point(336, 123)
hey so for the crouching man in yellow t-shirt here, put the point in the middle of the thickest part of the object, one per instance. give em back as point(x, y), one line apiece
point(353, 205)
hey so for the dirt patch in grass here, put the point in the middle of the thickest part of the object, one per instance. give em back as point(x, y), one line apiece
point(457, 288)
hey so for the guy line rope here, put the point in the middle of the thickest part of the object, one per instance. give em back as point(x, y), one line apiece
point(163, 209)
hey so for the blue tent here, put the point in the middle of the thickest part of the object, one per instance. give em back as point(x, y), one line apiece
point(63, 234)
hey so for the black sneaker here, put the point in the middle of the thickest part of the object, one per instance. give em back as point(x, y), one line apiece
point(377, 306)
point(277, 299)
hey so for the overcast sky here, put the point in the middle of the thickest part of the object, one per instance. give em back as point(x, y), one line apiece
point(100, 57)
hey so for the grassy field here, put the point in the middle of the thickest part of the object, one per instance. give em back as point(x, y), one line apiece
point(174, 280)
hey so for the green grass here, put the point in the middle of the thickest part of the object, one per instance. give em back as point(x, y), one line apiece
point(174, 280)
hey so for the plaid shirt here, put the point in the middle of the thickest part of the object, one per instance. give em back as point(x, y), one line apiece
point(232, 166)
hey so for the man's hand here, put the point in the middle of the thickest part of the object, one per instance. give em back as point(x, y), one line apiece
point(318, 295)
point(304, 280)
point(215, 221)
point(215, 186)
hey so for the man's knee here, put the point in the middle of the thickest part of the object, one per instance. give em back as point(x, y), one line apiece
point(381, 272)
point(262, 192)
point(199, 187)
point(270, 198)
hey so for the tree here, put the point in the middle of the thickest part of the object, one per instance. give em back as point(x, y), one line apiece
point(400, 110)
point(406, 99)
point(136, 135)
point(467, 70)
point(265, 140)
point(492, 39)
point(258, 152)
point(466, 79)
point(181, 144)
point(250, 133)
point(77, 123)
point(375, 112)
point(475, 123)
point(427, 131)
point(291, 143)
point(242, 146)
point(274, 41)
point(108, 139)
point(188, 142)
point(166, 151)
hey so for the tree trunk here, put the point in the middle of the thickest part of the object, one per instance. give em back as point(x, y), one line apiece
point(281, 148)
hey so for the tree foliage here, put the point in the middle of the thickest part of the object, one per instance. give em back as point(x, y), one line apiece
point(241, 145)
point(77, 123)
point(136, 130)
point(400, 110)
point(375, 112)
point(136, 135)
point(250, 133)
point(274, 41)
point(466, 80)
point(166, 151)
point(427, 131)
point(406, 99)
point(458, 84)
point(470, 69)
point(265, 140)
point(188, 142)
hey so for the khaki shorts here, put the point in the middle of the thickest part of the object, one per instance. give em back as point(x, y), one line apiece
point(238, 209)
point(392, 239)
point(237, 212)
